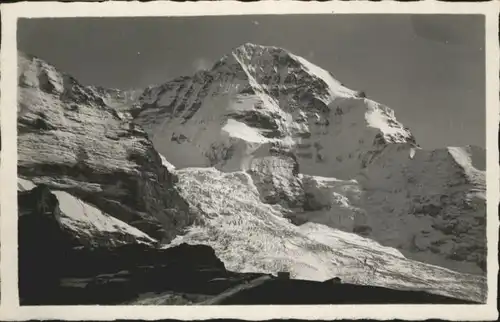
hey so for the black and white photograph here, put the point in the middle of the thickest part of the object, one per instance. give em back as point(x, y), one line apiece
point(285, 159)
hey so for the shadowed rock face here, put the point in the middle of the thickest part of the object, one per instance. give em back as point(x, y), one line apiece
point(56, 269)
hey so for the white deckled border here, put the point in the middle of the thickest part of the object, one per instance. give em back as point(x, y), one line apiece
point(10, 309)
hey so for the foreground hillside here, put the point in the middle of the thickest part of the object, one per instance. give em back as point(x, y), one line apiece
point(197, 166)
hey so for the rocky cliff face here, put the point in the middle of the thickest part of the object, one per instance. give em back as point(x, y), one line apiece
point(265, 158)
point(71, 140)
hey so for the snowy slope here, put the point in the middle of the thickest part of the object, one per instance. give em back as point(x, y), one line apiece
point(84, 219)
point(88, 224)
point(325, 153)
point(436, 200)
point(427, 206)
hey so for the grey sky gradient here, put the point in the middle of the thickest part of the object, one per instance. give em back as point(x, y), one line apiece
point(429, 68)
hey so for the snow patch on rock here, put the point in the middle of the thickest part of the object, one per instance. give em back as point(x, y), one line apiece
point(87, 223)
point(84, 219)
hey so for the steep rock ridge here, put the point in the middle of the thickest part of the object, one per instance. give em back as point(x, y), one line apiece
point(261, 98)
point(70, 140)
point(124, 102)
point(324, 153)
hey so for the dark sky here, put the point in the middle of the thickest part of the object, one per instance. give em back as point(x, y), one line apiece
point(429, 68)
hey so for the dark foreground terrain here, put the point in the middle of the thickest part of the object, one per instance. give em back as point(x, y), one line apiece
point(56, 268)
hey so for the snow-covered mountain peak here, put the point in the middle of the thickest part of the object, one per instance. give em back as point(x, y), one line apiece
point(271, 66)
point(262, 97)
point(248, 51)
point(275, 115)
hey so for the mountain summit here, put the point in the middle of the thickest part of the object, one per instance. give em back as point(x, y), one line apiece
point(267, 159)
point(261, 97)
